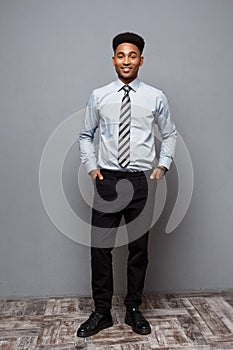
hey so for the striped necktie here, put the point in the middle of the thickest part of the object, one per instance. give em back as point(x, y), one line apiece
point(124, 129)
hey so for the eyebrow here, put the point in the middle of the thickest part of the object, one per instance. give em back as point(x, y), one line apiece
point(121, 52)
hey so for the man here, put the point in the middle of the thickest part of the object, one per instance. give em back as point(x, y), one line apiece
point(125, 111)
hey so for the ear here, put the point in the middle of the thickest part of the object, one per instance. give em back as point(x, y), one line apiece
point(113, 60)
point(141, 60)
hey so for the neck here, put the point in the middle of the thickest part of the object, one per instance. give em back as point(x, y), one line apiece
point(127, 81)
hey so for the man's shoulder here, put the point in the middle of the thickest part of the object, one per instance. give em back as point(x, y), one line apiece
point(99, 91)
point(150, 89)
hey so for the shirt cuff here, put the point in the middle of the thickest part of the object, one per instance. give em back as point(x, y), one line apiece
point(90, 165)
point(165, 162)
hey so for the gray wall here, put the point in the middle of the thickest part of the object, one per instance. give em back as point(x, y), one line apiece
point(53, 53)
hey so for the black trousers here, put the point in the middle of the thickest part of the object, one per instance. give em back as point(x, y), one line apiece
point(132, 199)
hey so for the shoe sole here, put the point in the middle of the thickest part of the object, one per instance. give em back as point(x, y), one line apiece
point(135, 330)
point(84, 335)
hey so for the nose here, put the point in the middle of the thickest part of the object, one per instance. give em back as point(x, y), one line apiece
point(126, 61)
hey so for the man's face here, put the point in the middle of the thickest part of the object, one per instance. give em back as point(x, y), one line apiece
point(127, 60)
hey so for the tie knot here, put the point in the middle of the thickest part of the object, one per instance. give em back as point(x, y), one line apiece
point(126, 88)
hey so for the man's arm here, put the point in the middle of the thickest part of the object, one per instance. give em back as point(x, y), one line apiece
point(86, 137)
point(168, 134)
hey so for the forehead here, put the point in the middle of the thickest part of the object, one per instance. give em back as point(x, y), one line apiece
point(127, 48)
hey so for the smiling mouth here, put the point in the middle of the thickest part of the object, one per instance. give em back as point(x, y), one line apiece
point(126, 69)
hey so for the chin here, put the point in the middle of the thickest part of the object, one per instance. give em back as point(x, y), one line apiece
point(126, 76)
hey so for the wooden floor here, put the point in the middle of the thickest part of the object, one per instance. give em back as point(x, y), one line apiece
point(194, 321)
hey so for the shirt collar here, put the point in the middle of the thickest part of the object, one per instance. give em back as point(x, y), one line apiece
point(134, 84)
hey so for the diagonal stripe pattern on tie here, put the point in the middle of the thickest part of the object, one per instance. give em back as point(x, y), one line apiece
point(124, 129)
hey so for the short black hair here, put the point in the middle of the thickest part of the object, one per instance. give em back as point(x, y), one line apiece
point(128, 37)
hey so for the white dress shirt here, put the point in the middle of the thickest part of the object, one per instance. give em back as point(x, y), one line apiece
point(149, 106)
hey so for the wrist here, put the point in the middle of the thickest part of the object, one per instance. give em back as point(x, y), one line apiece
point(162, 168)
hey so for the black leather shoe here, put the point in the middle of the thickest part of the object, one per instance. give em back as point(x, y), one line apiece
point(95, 323)
point(137, 321)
